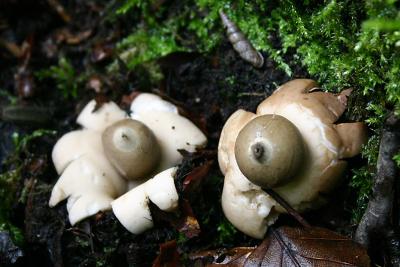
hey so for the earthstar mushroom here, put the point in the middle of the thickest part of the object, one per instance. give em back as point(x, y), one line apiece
point(96, 162)
point(303, 185)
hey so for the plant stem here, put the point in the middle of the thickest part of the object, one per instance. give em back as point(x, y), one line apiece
point(286, 206)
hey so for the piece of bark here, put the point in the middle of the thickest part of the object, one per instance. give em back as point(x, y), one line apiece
point(377, 217)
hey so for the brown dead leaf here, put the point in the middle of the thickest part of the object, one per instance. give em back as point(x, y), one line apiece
point(169, 256)
point(100, 100)
point(37, 165)
point(289, 246)
point(234, 257)
point(65, 35)
point(126, 100)
point(194, 178)
point(188, 225)
point(95, 83)
point(183, 221)
point(101, 52)
point(24, 83)
point(60, 10)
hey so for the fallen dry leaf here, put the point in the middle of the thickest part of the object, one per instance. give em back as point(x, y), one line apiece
point(101, 52)
point(193, 180)
point(169, 256)
point(288, 247)
point(100, 99)
point(234, 256)
point(72, 38)
point(127, 99)
point(183, 221)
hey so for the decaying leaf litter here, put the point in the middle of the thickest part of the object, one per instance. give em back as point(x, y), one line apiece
point(208, 86)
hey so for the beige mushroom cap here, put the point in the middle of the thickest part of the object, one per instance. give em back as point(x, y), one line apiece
point(100, 119)
point(87, 178)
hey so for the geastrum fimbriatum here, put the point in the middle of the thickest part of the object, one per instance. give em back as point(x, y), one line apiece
point(114, 153)
point(291, 145)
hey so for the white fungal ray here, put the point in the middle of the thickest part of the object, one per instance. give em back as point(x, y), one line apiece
point(86, 205)
point(87, 174)
point(161, 190)
point(132, 209)
point(146, 102)
point(100, 119)
point(73, 145)
point(251, 210)
point(173, 131)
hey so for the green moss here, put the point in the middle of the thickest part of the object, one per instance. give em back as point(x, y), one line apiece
point(8, 187)
point(194, 26)
point(10, 180)
point(145, 45)
point(12, 99)
point(65, 77)
point(226, 233)
point(396, 158)
point(362, 178)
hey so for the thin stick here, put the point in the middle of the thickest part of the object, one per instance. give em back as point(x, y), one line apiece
point(60, 10)
point(287, 207)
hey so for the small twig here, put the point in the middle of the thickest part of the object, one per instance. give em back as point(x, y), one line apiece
point(252, 94)
point(286, 206)
point(377, 217)
point(13, 48)
point(60, 10)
